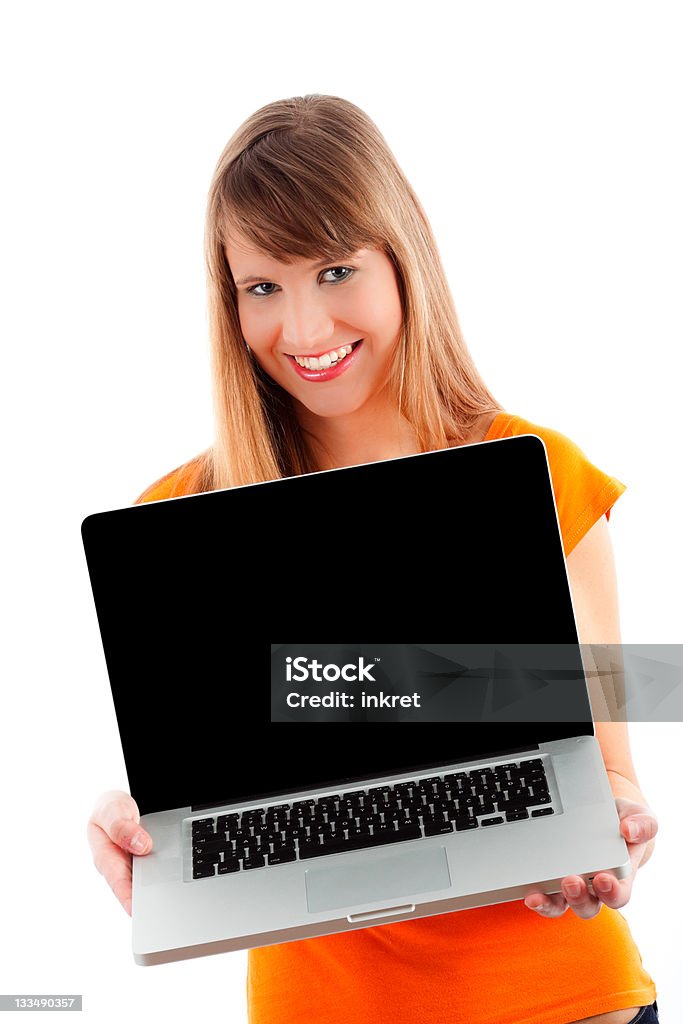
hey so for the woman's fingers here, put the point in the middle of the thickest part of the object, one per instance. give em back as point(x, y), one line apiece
point(575, 896)
point(614, 892)
point(638, 826)
point(117, 814)
point(579, 898)
point(638, 829)
point(114, 833)
point(545, 905)
point(113, 863)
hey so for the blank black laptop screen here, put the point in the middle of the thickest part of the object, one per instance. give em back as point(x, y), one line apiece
point(463, 543)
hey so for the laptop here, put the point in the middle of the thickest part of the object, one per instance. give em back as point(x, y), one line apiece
point(276, 818)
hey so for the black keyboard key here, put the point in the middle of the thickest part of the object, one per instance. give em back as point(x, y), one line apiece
point(346, 822)
point(226, 821)
point(517, 815)
point(203, 870)
point(249, 820)
point(466, 824)
point(467, 801)
point(204, 838)
point(407, 832)
point(365, 842)
point(493, 821)
point(267, 833)
point(542, 812)
point(256, 861)
point(437, 828)
point(456, 778)
point(211, 849)
point(202, 825)
point(285, 855)
point(309, 849)
point(516, 804)
point(359, 841)
point(200, 860)
point(280, 818)
point(229, 865)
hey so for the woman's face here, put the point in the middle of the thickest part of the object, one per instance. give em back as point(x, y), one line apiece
point(325, 331)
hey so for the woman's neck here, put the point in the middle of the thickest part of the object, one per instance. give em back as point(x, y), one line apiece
point(366, 435)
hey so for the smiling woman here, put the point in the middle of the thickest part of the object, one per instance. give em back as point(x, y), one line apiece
point(315, 243)
point(328, 336)
point(335, 342)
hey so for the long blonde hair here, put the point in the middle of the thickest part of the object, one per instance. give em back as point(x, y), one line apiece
point(312, 177)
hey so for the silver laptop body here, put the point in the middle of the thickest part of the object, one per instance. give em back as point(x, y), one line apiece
point(162, 592)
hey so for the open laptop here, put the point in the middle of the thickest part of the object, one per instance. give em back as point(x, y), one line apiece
point(420, 811)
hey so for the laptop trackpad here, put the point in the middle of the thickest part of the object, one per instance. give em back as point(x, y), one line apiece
point(392, 876)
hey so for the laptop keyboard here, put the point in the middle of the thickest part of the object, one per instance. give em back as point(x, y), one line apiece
point(366, 818)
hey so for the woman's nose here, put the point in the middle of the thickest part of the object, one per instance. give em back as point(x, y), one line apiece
point(306, 325)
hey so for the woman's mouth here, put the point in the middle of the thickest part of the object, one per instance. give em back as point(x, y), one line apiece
point(327, 366)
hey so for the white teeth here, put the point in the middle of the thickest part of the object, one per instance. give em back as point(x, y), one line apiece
point(322, 362)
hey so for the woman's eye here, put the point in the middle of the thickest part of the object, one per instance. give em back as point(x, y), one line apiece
point(264, 288)
point(332, 276)
point(337, 274)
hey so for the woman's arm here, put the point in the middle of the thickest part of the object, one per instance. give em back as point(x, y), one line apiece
point(593, 583)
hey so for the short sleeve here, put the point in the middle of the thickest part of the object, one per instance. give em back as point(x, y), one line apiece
point(176, 484)
point(583, 493)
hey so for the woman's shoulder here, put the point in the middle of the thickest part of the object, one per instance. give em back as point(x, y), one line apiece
point(564, 455)
point(583, 493)
point(184, 480)
point(506, 424)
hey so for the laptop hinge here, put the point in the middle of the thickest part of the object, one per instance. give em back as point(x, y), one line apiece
point(416, 769)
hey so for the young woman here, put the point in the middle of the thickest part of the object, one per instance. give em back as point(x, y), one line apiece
point(335, 342)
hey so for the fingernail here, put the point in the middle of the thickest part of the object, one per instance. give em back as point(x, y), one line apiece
point(602, 884)
point(573, 889)
point(633, 831)
point(138, 842)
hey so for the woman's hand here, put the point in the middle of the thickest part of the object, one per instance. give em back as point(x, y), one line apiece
point(114, 833)
point(638, 826)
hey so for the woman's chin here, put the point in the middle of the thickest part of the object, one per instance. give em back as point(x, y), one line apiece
point(329, 409)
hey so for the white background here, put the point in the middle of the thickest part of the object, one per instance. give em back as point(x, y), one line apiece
point(544, 141)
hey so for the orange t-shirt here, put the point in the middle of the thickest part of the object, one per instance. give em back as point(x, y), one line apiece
point(496, 965)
